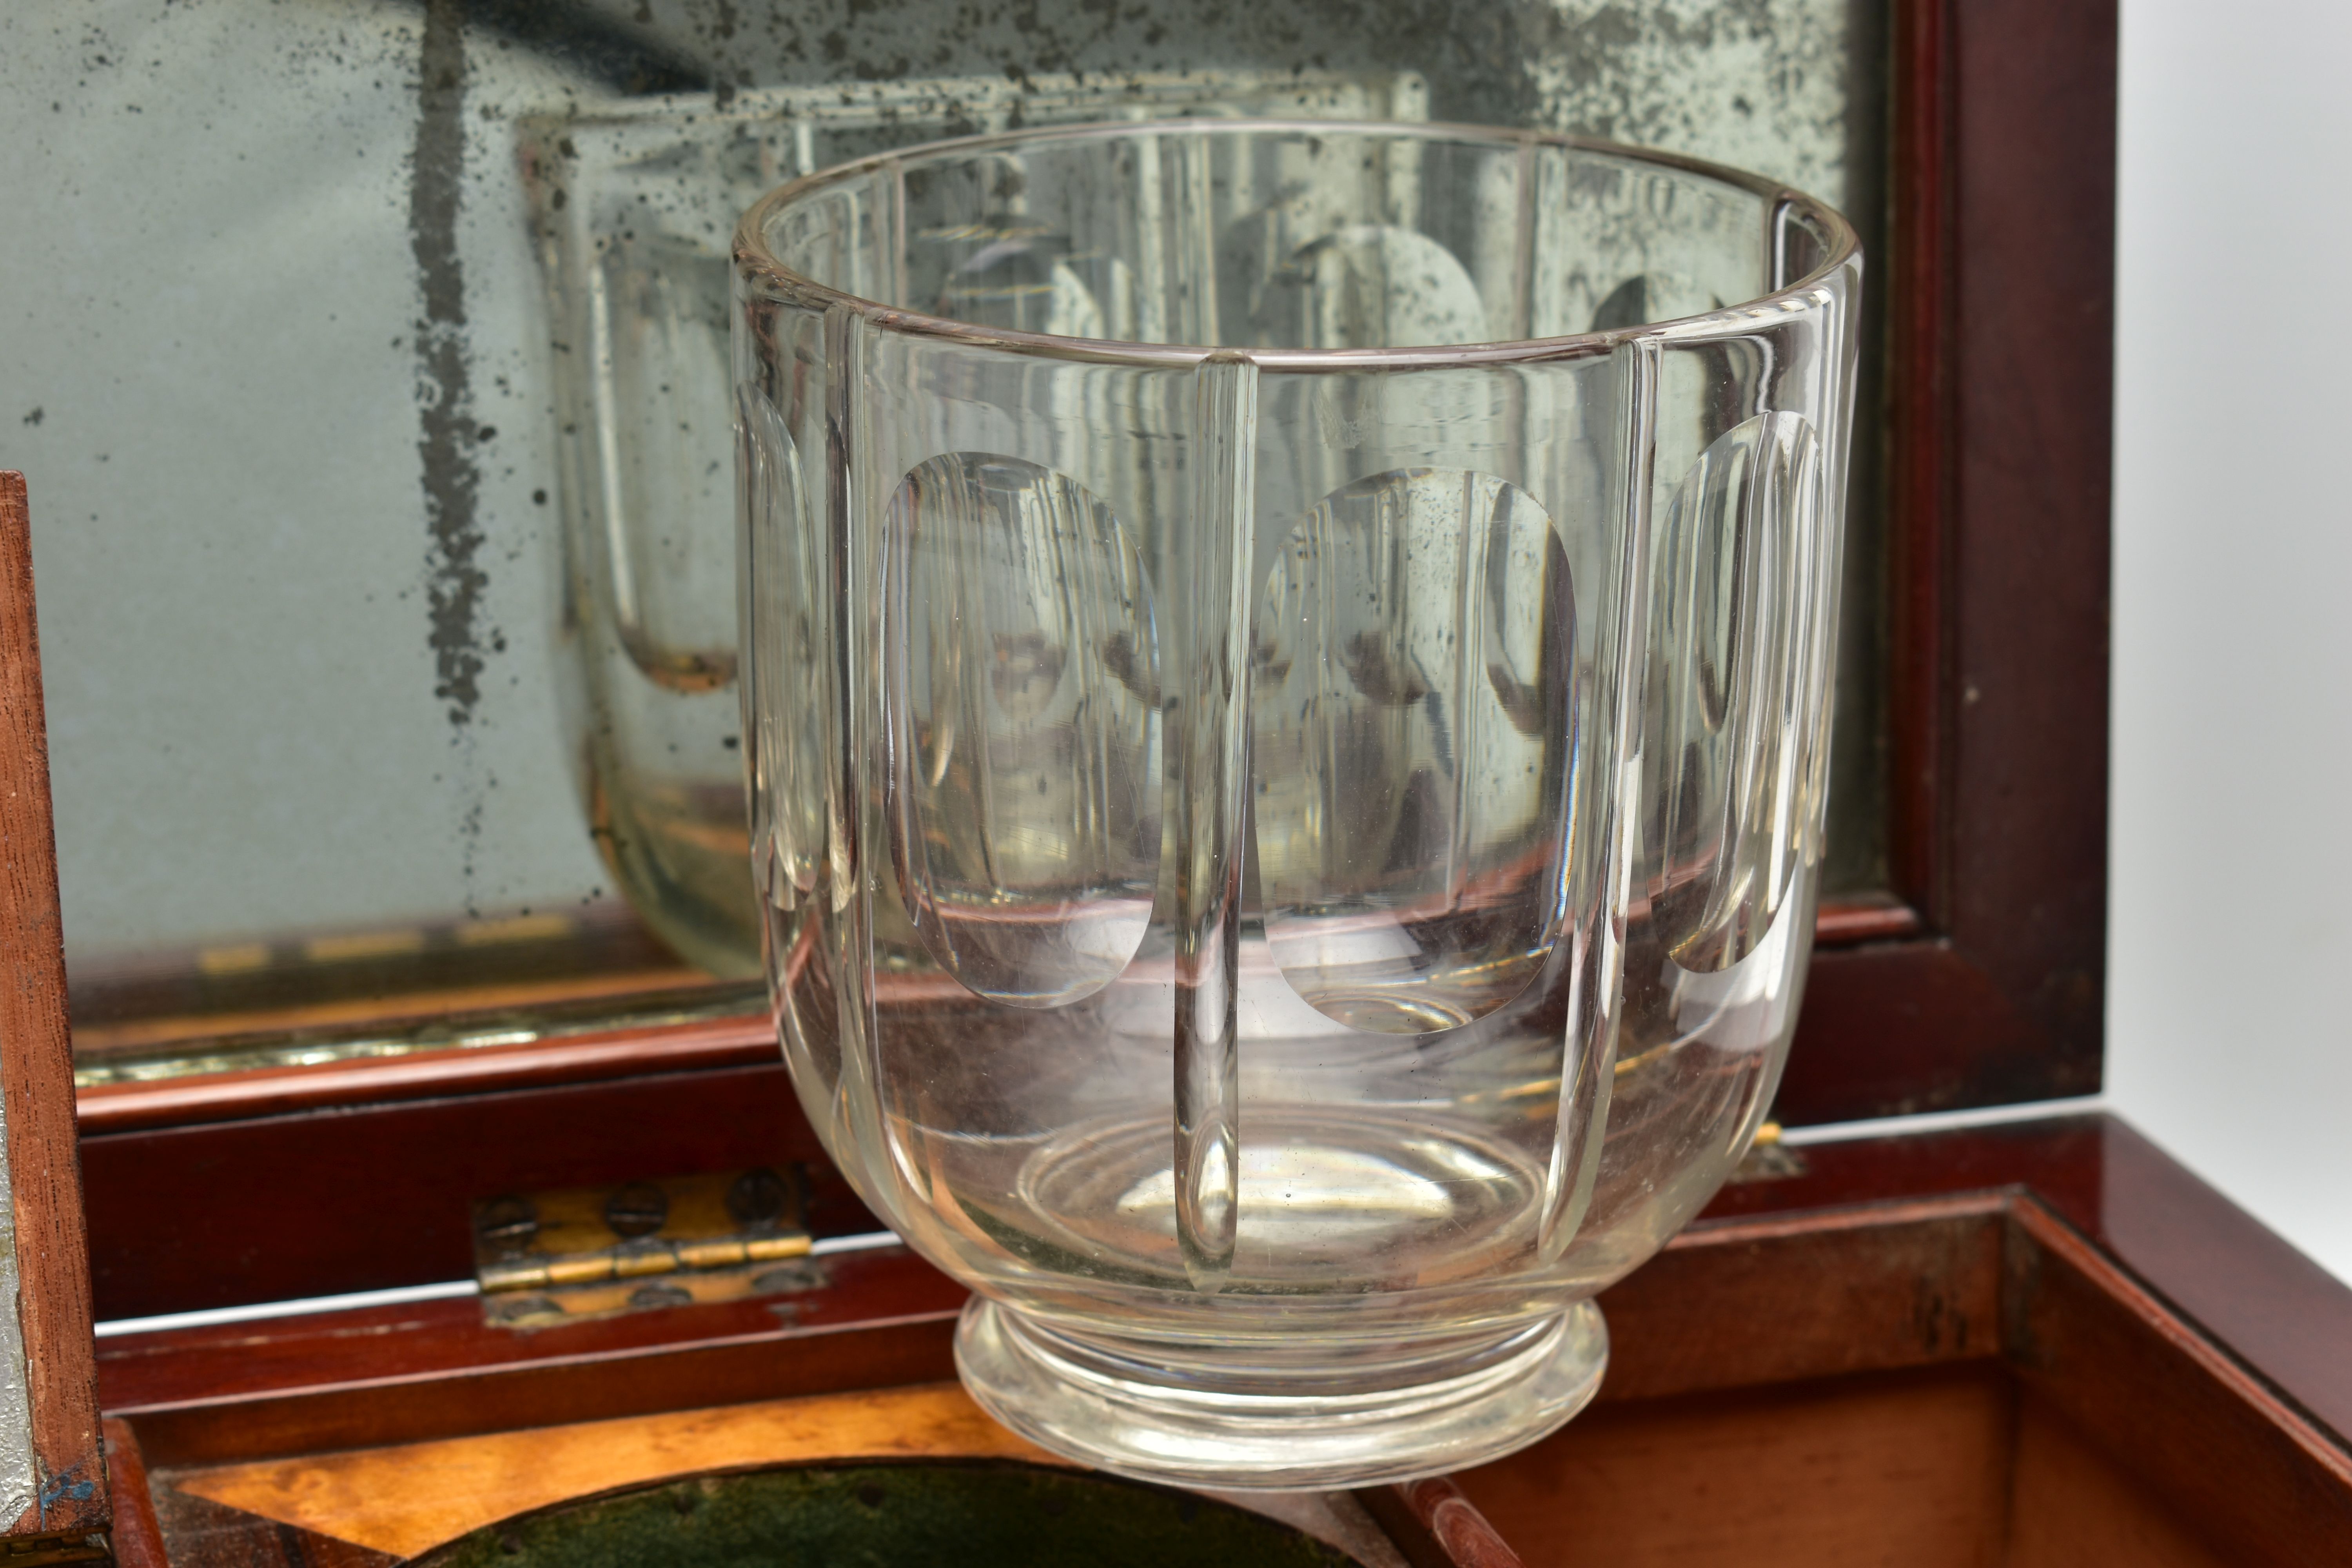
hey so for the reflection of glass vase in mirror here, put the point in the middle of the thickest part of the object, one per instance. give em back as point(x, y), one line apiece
point(634, 206)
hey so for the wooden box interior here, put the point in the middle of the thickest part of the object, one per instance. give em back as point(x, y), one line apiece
point(2028, 1344)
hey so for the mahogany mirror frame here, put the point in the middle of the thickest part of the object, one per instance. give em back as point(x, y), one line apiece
point(36, 1093)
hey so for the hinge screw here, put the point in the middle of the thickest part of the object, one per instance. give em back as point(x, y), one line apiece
point(507, 1224)
point(644, 1298)
point(638, 1209)
point(758, 1196)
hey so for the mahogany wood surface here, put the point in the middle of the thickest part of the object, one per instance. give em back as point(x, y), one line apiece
point(1889, 1275)
point(1955, 1468)
point(1921, 441)
point(2290, 1322)
point(293, 1238)
point(1885, 1255)
point(2173, 1405)
point(2024, 892)
point(187, 1367)
point(207, 1534)
point(2278, 1312)
point(1785, 1297)
point(436, 1370)
point(1435, 1525)
point(1844, 1473)
point(2002, 273)
point(2070, 1504)
point(2175, 1445)
point(53, 1304)
point(253, 1093)
point(2287, 1320)
point(137, 1538)
point(2160, 1318)
point(362, 1358)
point(1896, 1027)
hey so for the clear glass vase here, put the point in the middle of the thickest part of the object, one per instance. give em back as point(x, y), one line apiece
point(1286, 680)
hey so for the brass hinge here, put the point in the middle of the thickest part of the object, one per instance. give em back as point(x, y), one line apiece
point(590, 1252)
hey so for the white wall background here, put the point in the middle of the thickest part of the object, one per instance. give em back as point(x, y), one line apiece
point(2229, 1012)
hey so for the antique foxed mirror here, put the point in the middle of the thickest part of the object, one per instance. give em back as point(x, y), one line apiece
point(366, 360)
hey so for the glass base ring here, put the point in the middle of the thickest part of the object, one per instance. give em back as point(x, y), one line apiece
point(1101, 1411)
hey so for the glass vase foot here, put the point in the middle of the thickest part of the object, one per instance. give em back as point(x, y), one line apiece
point(1128, 1407)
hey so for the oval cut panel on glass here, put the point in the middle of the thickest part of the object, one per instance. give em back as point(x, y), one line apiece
point(786, 695)
point(1413, 723)
point(1733, 750)
point(1022, 694)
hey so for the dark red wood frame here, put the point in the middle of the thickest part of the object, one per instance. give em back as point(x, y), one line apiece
point(2001, 282)
point(36, 1079)
point(1975, 979)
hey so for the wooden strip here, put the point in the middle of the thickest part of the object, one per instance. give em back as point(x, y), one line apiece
point(2173, 1407)
point(1779, 1299)
point(1919, 276)
point(383, 1013)
point(1859, 1472)
point(2284, 1316)
point(404, 1499)
point(1850, 919)
point(2070, 1504)
point(2061, 1159)
point(203, 1097)
point(2001, 281)
point(202, 1534)
point(695, 1376)
point(1435, 1526)
point(186, 1367)
point(2281, 1314)
point(137, 1539)
point(385, 1388)
point(36, 1074)
point(2033, 346)
point(1917, 1025)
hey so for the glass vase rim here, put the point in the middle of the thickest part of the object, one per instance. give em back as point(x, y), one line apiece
point(1841, 246)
